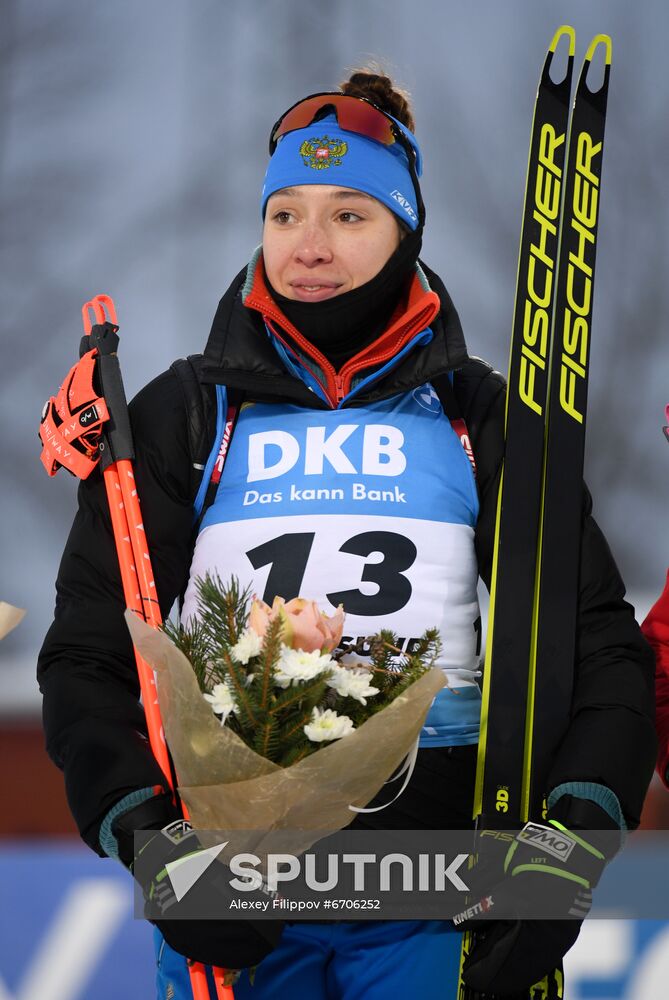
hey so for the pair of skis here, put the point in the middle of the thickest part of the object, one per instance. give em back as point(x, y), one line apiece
point(528, 674)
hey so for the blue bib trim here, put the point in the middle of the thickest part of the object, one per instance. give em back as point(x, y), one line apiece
point(454, 718)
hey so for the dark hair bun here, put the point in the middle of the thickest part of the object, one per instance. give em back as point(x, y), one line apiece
point(379, 89)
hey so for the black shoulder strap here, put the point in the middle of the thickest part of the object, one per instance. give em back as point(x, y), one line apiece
point(443, 387)
point(445, 390)
point(201, 409)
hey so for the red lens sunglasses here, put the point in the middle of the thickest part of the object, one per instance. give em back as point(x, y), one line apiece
point(354, 114)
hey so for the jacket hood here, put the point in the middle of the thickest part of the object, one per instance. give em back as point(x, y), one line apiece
point(241, 353)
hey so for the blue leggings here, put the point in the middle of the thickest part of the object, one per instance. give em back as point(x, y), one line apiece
point(374, 960)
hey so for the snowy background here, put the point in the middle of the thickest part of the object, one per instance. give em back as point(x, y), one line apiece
point(133, 141)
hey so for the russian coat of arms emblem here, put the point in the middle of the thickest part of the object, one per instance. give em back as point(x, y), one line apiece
point(323, 152)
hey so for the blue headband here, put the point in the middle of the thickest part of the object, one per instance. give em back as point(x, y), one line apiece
point(324, 153)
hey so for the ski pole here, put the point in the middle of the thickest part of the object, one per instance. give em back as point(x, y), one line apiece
point(114, 448)
point(139, 589)
point(132, 549)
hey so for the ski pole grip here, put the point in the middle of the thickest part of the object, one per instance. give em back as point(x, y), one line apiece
point(116, 442)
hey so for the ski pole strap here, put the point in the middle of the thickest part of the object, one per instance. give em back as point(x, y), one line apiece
point(443, 386)
point(87, 421)
point(72, 422)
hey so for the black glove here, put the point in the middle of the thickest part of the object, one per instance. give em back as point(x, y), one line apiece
point(548, 872)
point(227, 944)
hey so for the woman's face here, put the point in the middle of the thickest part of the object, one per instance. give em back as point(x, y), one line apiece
point(320, 240)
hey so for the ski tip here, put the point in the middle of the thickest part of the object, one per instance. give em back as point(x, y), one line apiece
point(565, 30)
point(559, 77)
point(598, 40)
point(592, 69)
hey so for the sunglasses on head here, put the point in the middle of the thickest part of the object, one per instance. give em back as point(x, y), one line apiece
point(354, 114)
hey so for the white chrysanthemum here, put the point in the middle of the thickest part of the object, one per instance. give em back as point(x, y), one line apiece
point(249, 644)
point(222, 701)
point(326, 724)
point(295, 665)
point(353, 683)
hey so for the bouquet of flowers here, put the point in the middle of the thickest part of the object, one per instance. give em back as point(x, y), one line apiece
point(272, 730)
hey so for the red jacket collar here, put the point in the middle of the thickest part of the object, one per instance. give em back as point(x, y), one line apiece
point(413, 315)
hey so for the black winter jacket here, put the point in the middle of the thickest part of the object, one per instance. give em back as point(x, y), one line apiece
point(94, 724)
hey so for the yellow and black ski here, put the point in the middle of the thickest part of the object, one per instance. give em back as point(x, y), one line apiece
point(556, 593)
point(499, 777)
point(528, 673)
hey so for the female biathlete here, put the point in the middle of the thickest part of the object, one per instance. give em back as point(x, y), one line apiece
point(345, 481)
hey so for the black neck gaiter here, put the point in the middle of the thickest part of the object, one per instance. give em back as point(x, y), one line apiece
point(343, 326)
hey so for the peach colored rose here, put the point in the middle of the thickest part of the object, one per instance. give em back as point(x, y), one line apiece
point(305, 626)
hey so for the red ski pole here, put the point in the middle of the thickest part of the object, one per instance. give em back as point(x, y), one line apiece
point(139, 588)
point(59, 431)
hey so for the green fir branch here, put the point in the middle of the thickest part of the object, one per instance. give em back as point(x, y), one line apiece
point(269, 656)
point(308, 693)
point(222, 608)
point(266, 740)
point(298, 752)
point(246, 702)
point(294, 726)
point(194, 644)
